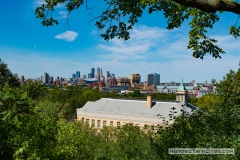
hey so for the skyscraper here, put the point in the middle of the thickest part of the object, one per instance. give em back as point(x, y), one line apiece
point(92, 73)
point(101, 72)
point(77, 74)
point(112, 75)
point(101, 75)
point(22, 78)
point(153, 79)
point(106, 76)
point(73, 76)
point(98, 74)
point(45, 78)
point(89, 75)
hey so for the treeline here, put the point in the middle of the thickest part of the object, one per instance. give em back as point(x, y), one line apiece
point(72, 97)
point(35, 123)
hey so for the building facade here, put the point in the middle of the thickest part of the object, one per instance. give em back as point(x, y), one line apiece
point(153, 79)
point(78, 74)
point(73, 76)
point(123, 81)
point(45, 78)
point(98, 74)
point(92, 73)
point(135, 78)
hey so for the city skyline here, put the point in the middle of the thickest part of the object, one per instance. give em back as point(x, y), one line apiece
point(32, 49)
point(157, 81)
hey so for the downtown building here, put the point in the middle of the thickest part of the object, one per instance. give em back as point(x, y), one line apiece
point(153, 79)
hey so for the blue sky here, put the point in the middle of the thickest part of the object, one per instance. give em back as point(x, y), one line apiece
point(30, 49)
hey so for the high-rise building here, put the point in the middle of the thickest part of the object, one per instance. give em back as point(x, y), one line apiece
point(83, 76)
point(73, 76)
point(98, 74)
point(101, 72)
point(106, 76)
point(92, 73)
point(112, 75)
point(89, 75)
point(77, 74)
point(123, 81)
point(45, 78)
point(50, 79)
point(205, 82)
point(22, 78)
point(135, 78)
point(102, 78)
point(153, 79)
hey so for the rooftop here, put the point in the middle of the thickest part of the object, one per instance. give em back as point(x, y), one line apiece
point(128, 109)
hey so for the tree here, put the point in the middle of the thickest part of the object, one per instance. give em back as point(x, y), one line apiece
point(6, 76)
point(208, 101)
point(217, 126)
point(203, 14)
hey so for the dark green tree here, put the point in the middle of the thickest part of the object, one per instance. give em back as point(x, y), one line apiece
point(214, 127)
point(7, 77)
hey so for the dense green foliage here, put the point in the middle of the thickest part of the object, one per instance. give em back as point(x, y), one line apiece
point(202, 13)
point(6, 76)
point(36, 123)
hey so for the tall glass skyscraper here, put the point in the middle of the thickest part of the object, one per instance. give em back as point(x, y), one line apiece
point(77, 74)
point(45, 77)
point(73, 76)
point(153, 79)
point(98, 74)
point(89, 75)
point(92, 73)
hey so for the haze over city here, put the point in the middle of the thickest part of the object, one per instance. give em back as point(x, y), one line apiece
point(30, 49)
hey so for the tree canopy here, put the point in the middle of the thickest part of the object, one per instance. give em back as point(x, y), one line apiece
point(7, 77)
point(203, 14)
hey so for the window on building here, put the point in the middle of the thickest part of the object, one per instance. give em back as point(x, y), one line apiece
point(111, 123)
point(104, 123)
point(93, 122)
point(118, 125)
point(98, 123)
point(111, 135)
point(82, 119)
point(87, 122)
point(145, 126)
point(152, 127)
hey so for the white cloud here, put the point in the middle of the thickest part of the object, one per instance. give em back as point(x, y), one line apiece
point(68, 36)
point(38, 3)
point(94, 32)
point(144, 40)
point(63, 14)
point(152, 49)
point(147, 42)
